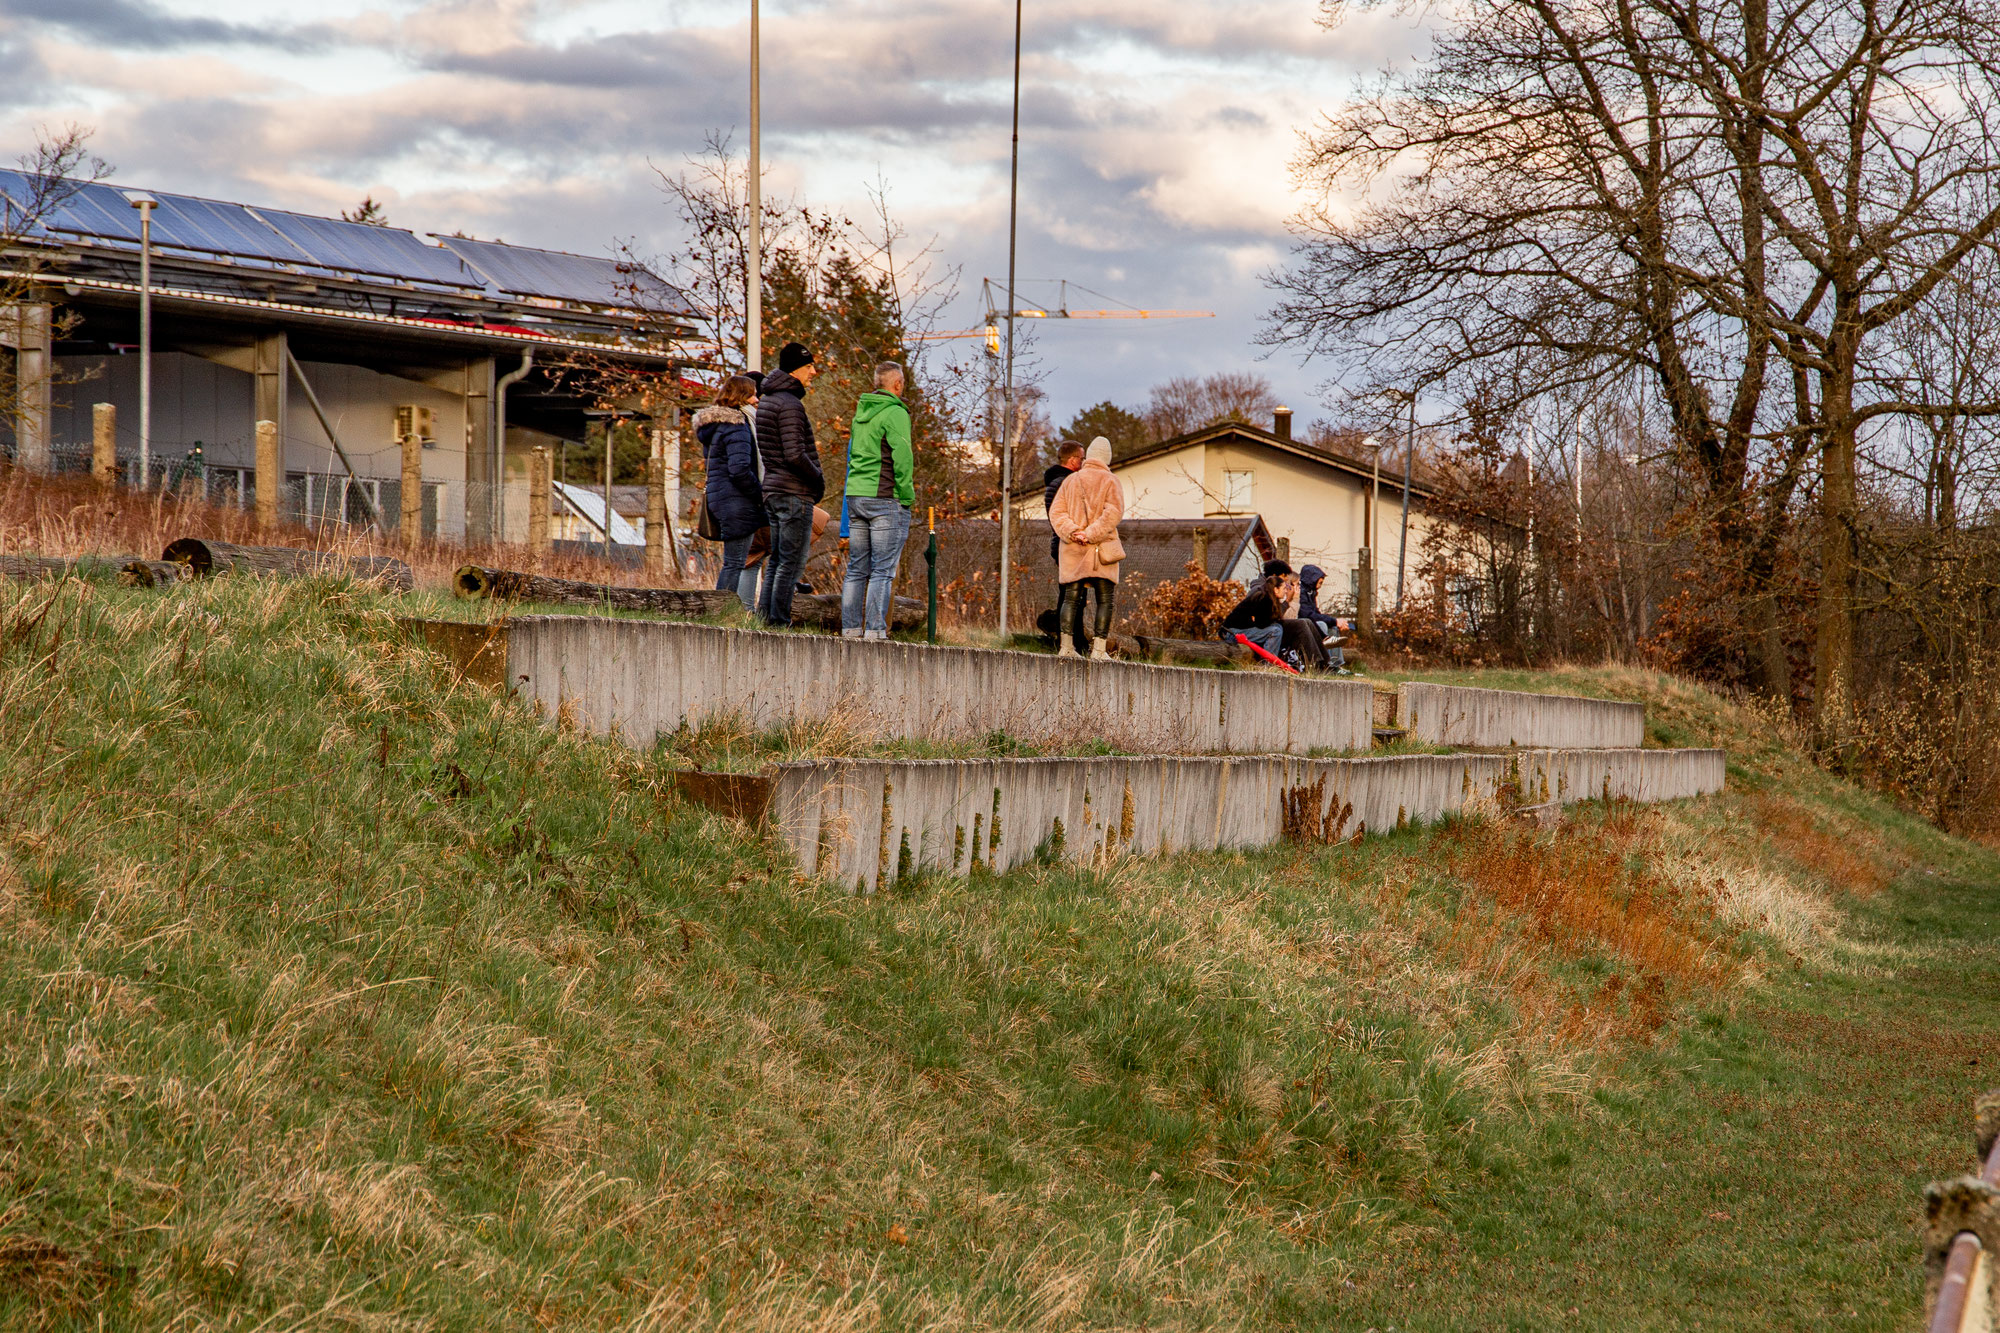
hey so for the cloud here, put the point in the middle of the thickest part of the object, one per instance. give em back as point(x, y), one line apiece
point(136, 24)
point(1155, 137)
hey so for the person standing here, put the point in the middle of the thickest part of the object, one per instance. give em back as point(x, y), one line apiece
point(793, 482)
point(881, 488)
point(733, 494)
point(1085, 516)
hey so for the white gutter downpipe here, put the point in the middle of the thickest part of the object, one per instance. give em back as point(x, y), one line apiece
point(505, 382)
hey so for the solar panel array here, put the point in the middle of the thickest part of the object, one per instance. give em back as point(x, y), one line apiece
point(520, 271)
point(270, 238)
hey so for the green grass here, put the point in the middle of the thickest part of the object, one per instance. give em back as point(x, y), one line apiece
point(336, 994)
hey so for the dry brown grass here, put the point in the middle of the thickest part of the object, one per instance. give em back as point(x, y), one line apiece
point(1850, 860)
point(73, 516)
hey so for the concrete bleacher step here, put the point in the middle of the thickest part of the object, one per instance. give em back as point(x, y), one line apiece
point(867, 823)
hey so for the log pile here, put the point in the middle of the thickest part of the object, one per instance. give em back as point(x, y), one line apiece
point(30, 568)
point(813, 610)
point(207, 558)
point(514, 585)
point(153, 573)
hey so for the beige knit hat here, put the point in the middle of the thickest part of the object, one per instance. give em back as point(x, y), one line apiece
point(1099, 451)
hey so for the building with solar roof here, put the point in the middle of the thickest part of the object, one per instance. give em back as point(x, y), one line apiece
point(334, 330)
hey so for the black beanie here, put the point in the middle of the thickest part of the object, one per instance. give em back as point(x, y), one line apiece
point(793, 356)
point(1276, 569)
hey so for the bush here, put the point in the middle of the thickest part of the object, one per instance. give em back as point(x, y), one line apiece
point(1191, 607)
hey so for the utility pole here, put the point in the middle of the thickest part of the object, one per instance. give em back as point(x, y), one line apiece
point(1008, 414)
point(754, 261)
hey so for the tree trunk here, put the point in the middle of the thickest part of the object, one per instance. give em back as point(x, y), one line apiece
point(1833, 651)
point(516, 585)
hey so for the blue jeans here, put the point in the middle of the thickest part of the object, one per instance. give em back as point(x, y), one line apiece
point(1270, 638)
point(791, 537)
point(731, 576)
point(876, 531)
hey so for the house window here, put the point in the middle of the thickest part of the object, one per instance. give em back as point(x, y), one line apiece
point(1237, 494)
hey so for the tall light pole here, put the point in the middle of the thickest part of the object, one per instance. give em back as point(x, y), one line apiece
point(1409, 468)
point(754, 261)
point(145, 203)
point(1007, 397)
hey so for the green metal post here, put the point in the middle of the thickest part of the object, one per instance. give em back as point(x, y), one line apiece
point(930, 558)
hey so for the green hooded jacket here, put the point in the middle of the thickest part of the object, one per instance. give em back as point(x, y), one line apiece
point(881, 431)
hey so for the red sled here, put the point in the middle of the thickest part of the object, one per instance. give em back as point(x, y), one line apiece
point(1272, 658)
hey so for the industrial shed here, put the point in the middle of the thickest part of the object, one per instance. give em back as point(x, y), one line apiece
point(334, 330)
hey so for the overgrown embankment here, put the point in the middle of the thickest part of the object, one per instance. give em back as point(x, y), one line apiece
point(335, 994)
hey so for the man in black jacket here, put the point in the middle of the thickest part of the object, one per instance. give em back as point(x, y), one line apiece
point(793, 482)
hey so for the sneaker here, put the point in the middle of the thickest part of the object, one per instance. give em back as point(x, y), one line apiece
point(850, 634)
point(876, 636)
point(1342, 671)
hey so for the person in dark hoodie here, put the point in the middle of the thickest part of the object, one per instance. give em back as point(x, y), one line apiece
point(733, 495)
point(1330, 628)
point(881, 487)
point(1069, 457)
point(793, 482)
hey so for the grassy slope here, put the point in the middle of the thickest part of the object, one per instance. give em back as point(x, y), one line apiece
point(332, 994)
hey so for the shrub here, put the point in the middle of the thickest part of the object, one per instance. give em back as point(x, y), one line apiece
point(1190, 607)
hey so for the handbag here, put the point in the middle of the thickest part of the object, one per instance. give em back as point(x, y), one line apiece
point(1110, 551)
point(705, 525)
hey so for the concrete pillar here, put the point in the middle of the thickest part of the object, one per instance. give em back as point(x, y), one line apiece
point(1285, 549)
point(270, 474)
point(482, 450)
point(656, 517)
point(272, 387)
point(413, 488)
point(541, 479)
point(30, 329)
point(104, 444)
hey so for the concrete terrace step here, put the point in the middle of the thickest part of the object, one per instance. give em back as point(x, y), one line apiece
point(866, 823)
point(646, 678)
point(1482, 719)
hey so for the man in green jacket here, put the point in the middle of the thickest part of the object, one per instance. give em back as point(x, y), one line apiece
point(881, 487)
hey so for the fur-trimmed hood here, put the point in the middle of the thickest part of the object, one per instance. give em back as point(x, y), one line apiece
point(711, 414)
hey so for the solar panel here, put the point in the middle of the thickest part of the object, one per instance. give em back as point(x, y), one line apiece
point(356, 247)
point(84, 209)
point(521, 271)
point(209, 226)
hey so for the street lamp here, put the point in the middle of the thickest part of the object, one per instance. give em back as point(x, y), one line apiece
point(1373, 525)
point(145, 203)
point(754, 302)
point(1007, 399)
point(1409, 465)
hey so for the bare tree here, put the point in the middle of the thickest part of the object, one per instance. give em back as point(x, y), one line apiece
point(60, 165)
point(1187, 403)
point(1708, 197)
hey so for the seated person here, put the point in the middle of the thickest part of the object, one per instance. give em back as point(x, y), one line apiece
point(1266, 617)
point(1331, 630)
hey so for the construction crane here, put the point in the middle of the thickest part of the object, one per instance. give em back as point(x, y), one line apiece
point(991, 331)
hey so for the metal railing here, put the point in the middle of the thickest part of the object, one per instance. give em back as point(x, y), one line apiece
point(1962, 1235)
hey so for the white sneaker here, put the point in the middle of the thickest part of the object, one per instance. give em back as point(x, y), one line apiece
point(850, 634)
point(1098, 652)
point(1067, 648)
point(873, 636)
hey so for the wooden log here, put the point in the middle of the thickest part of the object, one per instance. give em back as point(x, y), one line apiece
point(30, 568)
point(153, 573)
point(208, 558)
point(821, 610)
point(516, 585)
point(1191, 650)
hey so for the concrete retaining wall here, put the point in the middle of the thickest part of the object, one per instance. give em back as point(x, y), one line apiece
point(644, 678)
point(866, 822)
point(1500, 719)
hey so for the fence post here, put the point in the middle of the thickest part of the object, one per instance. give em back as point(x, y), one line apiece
point(541, 482)
point(1962, 1235)
point(930, 558)
point(104, 444)
point(413, 489)
point(270, 474)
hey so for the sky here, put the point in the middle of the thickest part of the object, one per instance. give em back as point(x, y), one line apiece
point(1156, 135)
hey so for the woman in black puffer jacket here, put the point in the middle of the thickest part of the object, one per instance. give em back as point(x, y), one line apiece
point(734, 494)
